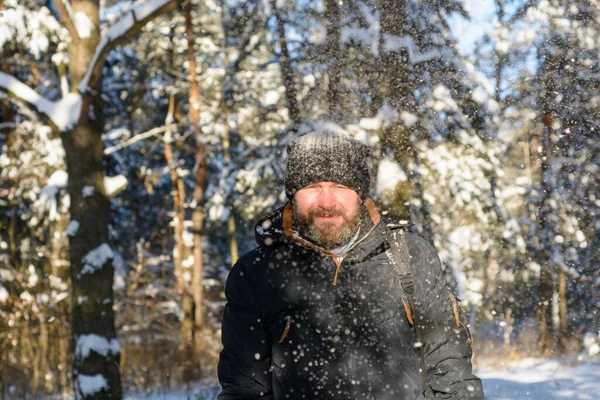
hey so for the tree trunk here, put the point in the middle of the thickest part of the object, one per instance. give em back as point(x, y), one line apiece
point(233, 245)
point(65, 355)
point(546, 284)
point(508, 328)
point(394, 86)
point(44, 352)
point(393, 79)
point(178, 192)
point(199, 186)
point(500, 57)
point(545, 214)
point(231, 226)
point(92, 271)
point(544, 312)
point(562, 301)
point(8, 116)
point(225, 109)
point(287, 72)
point(332, 50)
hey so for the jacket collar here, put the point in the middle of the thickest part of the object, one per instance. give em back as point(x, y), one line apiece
point(278, 227)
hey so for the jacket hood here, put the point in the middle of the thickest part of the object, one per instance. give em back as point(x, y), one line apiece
point(269, 229)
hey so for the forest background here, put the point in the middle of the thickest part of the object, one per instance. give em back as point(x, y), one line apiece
point(140, 141)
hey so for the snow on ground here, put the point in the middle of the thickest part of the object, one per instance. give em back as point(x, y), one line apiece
point(542, 379)
point(204, 390)
point(529, 379)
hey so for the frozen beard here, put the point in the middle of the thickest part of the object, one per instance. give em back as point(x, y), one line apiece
point(327, 235)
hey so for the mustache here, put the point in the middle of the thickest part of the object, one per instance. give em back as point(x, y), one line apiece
point(326, 213)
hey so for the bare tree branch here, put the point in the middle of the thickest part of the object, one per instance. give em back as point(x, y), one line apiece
point(139, 137)
point(120, 31)
point(66, 15)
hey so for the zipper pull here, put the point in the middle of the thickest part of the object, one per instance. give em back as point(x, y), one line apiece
point(286, 329)
point(338, 263)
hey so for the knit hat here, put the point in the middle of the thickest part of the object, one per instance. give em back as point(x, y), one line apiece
point(326, 156)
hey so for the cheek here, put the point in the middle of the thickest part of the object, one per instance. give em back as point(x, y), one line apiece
point(304, 203)
point(351, 205)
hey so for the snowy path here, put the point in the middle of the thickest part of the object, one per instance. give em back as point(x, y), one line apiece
point(531, 379)
point(552, 379)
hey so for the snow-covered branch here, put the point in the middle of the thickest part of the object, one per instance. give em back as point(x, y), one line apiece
point(66, 15)
point(394, 43)
point(522, 11)
point(63, 114)
point(7, 125)
point(120, 31)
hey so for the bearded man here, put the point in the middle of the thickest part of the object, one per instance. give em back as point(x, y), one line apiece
point(337, 303)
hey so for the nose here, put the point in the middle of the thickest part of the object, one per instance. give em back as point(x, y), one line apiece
point(326, 199)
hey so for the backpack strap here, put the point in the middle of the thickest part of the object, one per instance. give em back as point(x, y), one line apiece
point(399, 256)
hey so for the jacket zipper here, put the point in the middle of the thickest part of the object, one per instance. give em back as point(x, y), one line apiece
point(336, 259)
point(339, 259)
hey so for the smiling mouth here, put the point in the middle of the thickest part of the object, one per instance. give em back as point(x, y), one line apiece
point(327, 218)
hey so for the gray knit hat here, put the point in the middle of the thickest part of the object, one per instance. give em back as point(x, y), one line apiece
point(326, 156)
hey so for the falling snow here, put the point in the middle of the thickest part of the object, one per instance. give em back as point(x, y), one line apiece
point(482, 135)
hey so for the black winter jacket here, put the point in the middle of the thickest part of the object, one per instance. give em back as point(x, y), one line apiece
point(302, 324)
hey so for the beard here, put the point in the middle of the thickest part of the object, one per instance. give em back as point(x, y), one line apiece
point(327, 235)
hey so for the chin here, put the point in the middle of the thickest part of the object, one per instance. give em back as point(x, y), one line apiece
point(326, 227)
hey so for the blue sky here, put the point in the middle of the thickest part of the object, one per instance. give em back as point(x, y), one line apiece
point(468, 32)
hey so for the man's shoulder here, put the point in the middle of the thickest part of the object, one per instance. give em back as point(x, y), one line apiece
point(418, 241)
point(414, 239)
point(252, 273)
point(259, 257)
point(424, 259)
point(420, 248)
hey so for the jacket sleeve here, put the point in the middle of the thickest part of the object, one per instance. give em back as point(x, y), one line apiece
point(447, 346)
point(245, 361)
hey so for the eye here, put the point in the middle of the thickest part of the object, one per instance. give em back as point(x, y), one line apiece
point(311, 188)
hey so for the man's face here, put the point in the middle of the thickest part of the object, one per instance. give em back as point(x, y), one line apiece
point(327, 213)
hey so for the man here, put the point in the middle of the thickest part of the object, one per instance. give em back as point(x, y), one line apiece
point(325, 307)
